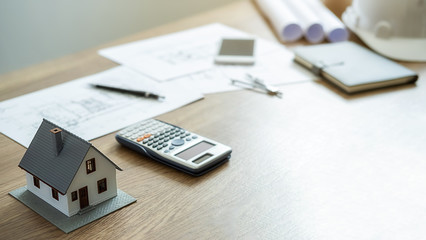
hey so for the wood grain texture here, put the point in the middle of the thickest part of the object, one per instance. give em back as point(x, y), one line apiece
point(316, 164)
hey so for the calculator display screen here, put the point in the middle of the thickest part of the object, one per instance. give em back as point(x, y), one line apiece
point(194, 150)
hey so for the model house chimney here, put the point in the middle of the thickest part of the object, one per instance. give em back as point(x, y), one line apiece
point(57, 140)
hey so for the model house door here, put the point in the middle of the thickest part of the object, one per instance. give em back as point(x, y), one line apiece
point(84, 197)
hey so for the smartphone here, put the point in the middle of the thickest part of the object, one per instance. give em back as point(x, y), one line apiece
point(236, 51)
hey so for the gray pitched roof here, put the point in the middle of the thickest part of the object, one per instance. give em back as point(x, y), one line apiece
point(41, 161)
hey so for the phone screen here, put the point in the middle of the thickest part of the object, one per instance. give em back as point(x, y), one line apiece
point(236, 51)
point(237, 47)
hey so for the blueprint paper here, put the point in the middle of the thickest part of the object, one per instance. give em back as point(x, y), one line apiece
point(188, 56)
point(285, 23)
point(289, 17)
point(309, 21)
point(275, 68)
point(173, 55)
point(89, 112)
point(334, 29)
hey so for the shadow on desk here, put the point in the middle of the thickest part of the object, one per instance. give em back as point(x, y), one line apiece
point(142, 167)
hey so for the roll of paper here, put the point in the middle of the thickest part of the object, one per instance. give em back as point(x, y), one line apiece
point(334, 29)
point(309, 20)
point(283, 20)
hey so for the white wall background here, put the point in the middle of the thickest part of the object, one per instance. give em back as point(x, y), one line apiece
point(33, 31)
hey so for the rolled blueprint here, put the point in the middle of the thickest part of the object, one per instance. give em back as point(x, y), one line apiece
point(285, 23)
point(309, 20)
point(334, 29)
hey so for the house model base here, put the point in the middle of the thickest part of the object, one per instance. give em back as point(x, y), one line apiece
point(69, 224)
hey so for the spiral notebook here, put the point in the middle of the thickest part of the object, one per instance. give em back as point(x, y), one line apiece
point(352, 67)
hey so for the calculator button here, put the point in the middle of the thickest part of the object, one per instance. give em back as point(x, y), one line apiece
point(188, 139)
point(194, 137)
point(178, 142)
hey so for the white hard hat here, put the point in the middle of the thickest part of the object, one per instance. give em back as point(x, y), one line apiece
point(393, 28)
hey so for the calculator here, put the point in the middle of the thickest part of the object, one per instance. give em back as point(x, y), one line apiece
point(174, 146)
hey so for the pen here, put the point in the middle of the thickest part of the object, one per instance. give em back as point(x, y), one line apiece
point(134, 92)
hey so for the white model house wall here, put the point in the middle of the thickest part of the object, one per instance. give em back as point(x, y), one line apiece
point(104, 169)
point(45, 193)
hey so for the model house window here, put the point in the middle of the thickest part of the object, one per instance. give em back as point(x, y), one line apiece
point(102, 185)
point(74, 196)
point(90, 166)
point(55, 194)
point(36, 182)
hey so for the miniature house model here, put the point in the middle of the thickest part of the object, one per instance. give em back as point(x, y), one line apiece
point(66, 171)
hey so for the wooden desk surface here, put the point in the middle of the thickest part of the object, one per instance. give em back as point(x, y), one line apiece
point(316, 164)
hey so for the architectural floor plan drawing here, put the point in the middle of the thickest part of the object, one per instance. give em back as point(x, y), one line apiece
point(88, 111)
